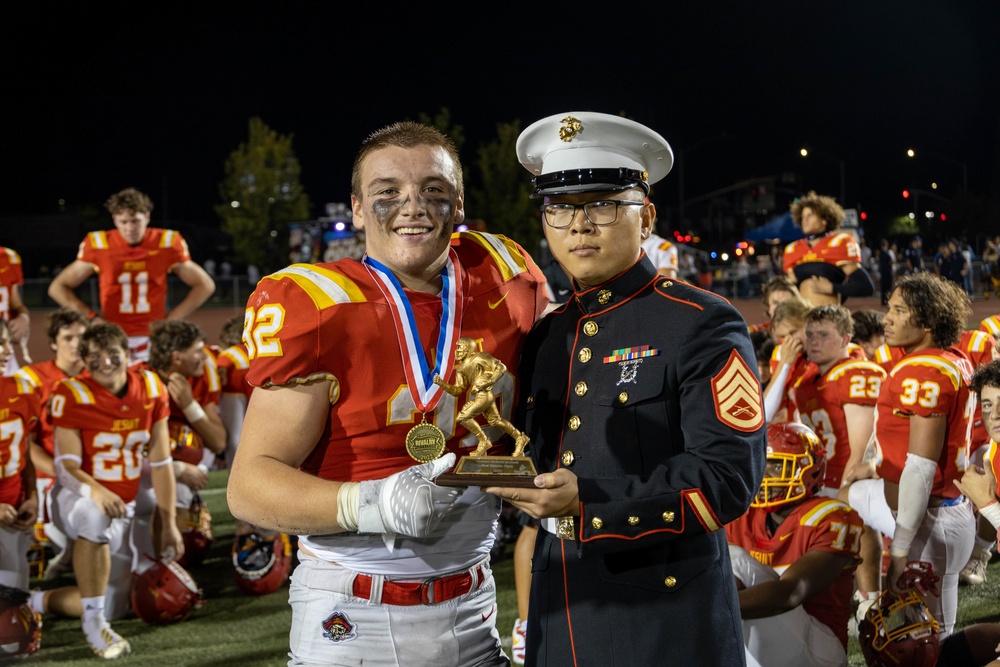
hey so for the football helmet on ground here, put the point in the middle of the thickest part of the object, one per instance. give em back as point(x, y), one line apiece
point(20, 626)
point(165, 593)
point(899, 630)
point(261, 563)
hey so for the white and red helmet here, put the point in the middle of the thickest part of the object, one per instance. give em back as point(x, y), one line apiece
point(796, 466)
point(899, 630)
point(165, 593)
point(20, 626)
point(261, 565)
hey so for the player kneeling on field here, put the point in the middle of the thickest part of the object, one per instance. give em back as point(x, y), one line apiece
point(794, 556)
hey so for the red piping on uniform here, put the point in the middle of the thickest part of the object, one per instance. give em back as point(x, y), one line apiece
point(569, 621)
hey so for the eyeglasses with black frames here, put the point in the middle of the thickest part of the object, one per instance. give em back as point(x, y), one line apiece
point(604, 212)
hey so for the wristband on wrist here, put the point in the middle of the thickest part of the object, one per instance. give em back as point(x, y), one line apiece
point(194, 412)
point(348, 498)
point(992, 513)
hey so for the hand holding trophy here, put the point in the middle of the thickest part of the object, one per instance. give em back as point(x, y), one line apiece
point(477, 372)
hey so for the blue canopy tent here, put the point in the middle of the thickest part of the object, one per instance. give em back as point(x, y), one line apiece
point(779, 229)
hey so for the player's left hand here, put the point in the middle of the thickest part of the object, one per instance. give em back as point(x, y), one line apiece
point(979, 485)
point(171, 542)
point(897, 565)
point(8, 515)
point(180, 390)
point(555, 494)
point(27, 514)
point(20, 327)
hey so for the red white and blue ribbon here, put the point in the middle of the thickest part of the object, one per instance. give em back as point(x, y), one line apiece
point(419, 376)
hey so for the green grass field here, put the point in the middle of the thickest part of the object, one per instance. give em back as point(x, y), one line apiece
point(237, 629)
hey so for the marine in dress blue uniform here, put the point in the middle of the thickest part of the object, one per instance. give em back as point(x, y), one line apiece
point(646, 390)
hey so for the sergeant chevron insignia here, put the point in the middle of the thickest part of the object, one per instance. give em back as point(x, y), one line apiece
point(736, 392)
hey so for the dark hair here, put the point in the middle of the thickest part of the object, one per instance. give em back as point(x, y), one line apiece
point(169, 336)
point(105, 336)
point(867, 323)
point(129, 199)
point(825, 207)
point(232, 331)
point(60, 319)
point(985, 375)
point(780, 283)
point(937, 304)
point(406, 134)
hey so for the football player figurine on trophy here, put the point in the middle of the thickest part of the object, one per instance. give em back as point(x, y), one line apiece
point(477, 372)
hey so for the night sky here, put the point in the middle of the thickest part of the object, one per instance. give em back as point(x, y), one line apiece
point(156, 96)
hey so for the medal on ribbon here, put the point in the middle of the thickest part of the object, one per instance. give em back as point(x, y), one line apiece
point(425, 441)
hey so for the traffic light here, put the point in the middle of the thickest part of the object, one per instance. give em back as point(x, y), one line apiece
point(906, 194)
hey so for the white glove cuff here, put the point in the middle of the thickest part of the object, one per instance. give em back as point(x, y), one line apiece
point(347, 506)
point(915, 484)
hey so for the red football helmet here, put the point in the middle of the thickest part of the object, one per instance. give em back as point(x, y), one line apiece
point(197, 533)
point(20, 628)
point(165, 593)
point(185, 444)
point(899, 631)
point(261, 565)
point(796, 466)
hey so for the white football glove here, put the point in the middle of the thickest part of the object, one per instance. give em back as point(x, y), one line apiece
point(407, 503)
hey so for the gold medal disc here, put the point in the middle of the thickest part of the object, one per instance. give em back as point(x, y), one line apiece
point(425, 442)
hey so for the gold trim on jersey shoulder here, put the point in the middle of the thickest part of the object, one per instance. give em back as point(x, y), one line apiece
point(818, 513)
point(319, 376)
point(992, 324)
point(503, 251)
point(978, 340)
point(80, 391)
point(839, 238)
point(29, 375)
point(98, 240)
point(212, 373)
point(12, 255)
point(167, 238)
point(238, 355)
point(325, 287)
point(24, 384)
point(841, 369)
point(943, 365)
point(152, 383)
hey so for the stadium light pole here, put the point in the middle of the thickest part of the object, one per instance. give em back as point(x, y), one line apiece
point(805, 152)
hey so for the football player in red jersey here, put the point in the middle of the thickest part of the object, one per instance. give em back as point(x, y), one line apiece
point(64, 328)
point(826, 265)
point(233, 365)
point(20, 409)
point(105, 420)
point(794, 554)
point(178, 355)
point(132, 262)
point(788, 363)
point(336, 394)
point(922, 426)
point(12, 308)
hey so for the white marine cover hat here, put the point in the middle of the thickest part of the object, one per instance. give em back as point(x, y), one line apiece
point(587, 151)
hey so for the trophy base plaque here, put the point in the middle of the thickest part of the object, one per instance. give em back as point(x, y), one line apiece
point(517, 471)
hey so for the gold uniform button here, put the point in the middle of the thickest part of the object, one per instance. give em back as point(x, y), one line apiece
point(604, 296)
point(666, 283)
point(574, 423)
point(670, 582)
point(633, 521)
point(581, 388)
point(597, 522)
point(623, 397)
point(530, 400)
point(568, 457)
point(668, 517)
point(584, 355)
point(590, 328)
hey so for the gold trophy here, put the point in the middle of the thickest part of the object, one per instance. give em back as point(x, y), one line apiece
point(478, 372)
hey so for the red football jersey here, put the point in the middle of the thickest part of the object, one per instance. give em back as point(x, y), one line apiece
point(133, 279)
point(186, 445)
point(340, 326)
point(980, 347)
point(20, 408)
point(886, 356)
point(817, 524)
point(233, 366)
point(820, 400)
point(114, 431)
point(991, 325)
point(11, 275)
point(44, 376)
point(925, 383)
point(837, 248)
